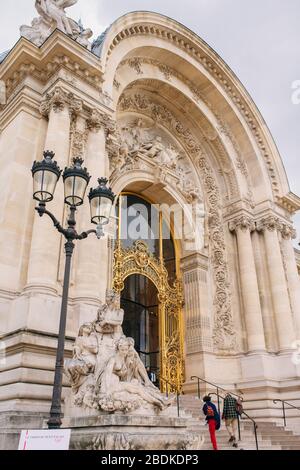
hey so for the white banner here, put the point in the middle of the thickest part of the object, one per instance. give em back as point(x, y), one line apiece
point(50, 439)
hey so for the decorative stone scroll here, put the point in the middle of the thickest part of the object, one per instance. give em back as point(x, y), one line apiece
point(224, 331)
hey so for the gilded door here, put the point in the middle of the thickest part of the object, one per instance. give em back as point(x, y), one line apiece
point(138, 260)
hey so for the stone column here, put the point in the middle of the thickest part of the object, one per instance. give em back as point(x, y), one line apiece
point(281, 303)
point(92, 254)
point(45, 242)
point(242, 227)
point(198, 323)
point(288, 234)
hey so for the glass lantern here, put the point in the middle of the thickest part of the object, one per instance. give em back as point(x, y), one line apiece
point(46, 174)
point(101, 202)
point(76, 180)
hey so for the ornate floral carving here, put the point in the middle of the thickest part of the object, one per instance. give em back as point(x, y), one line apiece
point(243, 223)
point(224, 332)
point(57, 100)
point(271, 223)
point(109, 441)
point(222, 77)
point(288, 232)
point(166, 70)
point(78, 139)
point(95, 120)
point(138, 260)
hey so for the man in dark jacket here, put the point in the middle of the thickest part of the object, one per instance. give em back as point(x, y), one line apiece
point(212, 418)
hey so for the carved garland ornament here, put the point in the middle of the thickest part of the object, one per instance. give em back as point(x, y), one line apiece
point(224, 332)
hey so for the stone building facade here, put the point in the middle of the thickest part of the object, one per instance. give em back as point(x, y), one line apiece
point(147, 75)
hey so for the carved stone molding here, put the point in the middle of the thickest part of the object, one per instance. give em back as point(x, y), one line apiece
point(224, 331)
point(210, 134)
point(72, 71)
point(57, 100)
point(288, 232)
point(243, 223)
point(270, 223)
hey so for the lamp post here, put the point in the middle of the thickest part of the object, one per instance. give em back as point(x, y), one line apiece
point(76, 179)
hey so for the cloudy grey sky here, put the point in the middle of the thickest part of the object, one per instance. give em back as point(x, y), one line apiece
point(259, 40)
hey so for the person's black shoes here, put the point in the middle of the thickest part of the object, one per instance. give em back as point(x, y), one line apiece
point(234, 443)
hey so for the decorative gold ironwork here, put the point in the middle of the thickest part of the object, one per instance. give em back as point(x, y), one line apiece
point(138, 260)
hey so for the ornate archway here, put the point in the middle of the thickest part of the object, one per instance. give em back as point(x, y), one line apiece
point(138, 260)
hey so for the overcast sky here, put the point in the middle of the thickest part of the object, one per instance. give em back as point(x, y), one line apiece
point(259, 40)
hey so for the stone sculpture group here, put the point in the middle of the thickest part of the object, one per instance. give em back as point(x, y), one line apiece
point(106, 373)
point(53, 15)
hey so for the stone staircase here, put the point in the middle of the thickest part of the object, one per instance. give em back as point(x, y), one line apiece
point(270, 435)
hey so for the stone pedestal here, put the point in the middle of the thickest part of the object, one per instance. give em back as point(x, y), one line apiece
point(121, 432)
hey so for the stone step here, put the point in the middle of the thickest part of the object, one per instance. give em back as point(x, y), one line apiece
point(270, 435)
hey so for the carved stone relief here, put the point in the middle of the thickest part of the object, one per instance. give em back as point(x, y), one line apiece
point(146, 146)
point(224, 332)
point(218, 74)
point(57, 100)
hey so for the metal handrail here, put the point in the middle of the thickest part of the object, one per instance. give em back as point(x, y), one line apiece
point(237, 415)
point(199, 379)
point(284, 402)
point(175, 389)
point(255, 426)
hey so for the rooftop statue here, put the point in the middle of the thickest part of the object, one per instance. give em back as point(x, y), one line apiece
point(53, 16)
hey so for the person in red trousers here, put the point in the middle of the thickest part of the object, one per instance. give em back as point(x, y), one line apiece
point(212, 418)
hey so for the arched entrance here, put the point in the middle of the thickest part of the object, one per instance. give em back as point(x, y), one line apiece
point(145, 276)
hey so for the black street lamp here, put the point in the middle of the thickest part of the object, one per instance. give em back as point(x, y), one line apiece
point(76, 179)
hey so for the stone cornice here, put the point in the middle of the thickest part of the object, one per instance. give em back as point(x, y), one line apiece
point(290, 202)
point(27, 100)
point(194, 261)
point(57, 52)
